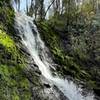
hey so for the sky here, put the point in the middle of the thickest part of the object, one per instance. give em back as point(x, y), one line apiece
point(23, 4)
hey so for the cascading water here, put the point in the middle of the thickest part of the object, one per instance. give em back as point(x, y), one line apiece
point(31, 39)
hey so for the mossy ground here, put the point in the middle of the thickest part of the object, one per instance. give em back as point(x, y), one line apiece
point(13, 83)
point(14, 77)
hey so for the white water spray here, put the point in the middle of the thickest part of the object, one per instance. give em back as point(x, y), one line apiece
point(31, 39)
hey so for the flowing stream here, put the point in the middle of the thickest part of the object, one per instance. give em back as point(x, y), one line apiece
point(31, 39)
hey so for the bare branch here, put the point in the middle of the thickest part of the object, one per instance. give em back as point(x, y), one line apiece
point(49, 7)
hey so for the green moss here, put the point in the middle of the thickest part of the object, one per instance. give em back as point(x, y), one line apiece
point(10, 53)
point(15, 97)
point(49, 35)
point(13, 81)
point(6, 41)
point(14, 85)
point(52, 40)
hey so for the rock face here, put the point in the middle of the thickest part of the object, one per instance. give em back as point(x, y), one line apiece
point(40, 87)
point(20, 75)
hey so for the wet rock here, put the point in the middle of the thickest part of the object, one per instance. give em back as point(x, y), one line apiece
point(32, 76)
point(38, 71)
point(35, 65)
point(62, 96)
point(97, 98)
point(97, 91)
point(35, 68)
point(47, 85)
point(24, 50)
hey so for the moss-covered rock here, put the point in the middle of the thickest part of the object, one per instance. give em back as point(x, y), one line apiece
point(10, 53)
point(14, 85)
point(53, 41)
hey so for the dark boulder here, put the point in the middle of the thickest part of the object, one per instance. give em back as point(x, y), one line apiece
point(97, 91)
point(47, 85)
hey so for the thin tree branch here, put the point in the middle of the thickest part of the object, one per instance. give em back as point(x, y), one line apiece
point(49, 7)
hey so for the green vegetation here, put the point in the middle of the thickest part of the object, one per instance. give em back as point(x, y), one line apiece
point(16, 80)
point(72, 34)
point(13, 83)
point(9, 53)
point(53, 41)
point(6, 16)
point(77, 62)
point(6, 41)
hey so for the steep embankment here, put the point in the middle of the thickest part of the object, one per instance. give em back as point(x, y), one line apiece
point(20, 78)
point(76, 52)
point(14, 81)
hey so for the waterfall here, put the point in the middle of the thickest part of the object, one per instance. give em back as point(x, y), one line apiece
point(31, 39)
